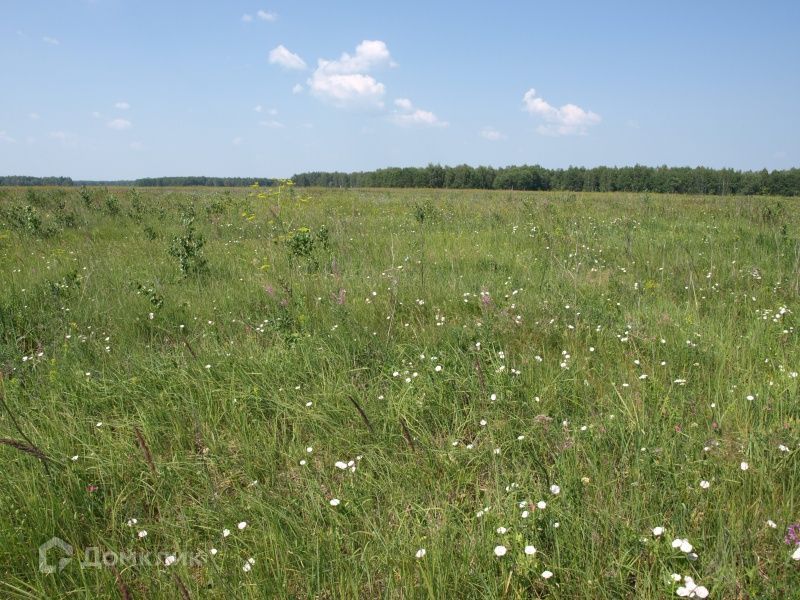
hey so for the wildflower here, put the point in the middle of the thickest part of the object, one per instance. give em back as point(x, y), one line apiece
point(541, 504)
point(169, 560)
point(334, 502)
point(142, 534)
point(744, 466)
point(421, 553)
point(242, 525)
point(500, 550)
point(226, 532)
point(530, 550)
point(341, 465)
point(705, 484)
point(501, 530)
point(690, 589)
point(213, 551)
point(132, 522)
point(658, 531)
point(555, 490)
point(683, 545)
point(547, 574)
point(796, 554)
point(772, 524)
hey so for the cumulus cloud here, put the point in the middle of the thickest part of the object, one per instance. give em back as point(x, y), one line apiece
point(50, 40)
point(272, 124)
point(122, 105)
point(33, 116)
point(247, 18)
point(137, 146)
point(297, 88)
point(345, 81)
point(569, 119)
point(491, 134)
point(4, 137)
point(237, 141)
point(407, 114)
point(119, 124)
point(282, 56)
point(267, 16)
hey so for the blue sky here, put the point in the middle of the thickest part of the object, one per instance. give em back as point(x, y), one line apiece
point(106, 89)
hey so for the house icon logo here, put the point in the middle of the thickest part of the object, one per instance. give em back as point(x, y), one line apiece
point(63, 548)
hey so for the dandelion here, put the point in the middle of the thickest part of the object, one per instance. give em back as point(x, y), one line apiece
point(421, 553)
point(500, 551)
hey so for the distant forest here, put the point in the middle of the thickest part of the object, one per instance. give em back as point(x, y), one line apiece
point(672, 180)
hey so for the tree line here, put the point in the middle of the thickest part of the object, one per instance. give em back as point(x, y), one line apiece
point(195, 181)
point(672, 180)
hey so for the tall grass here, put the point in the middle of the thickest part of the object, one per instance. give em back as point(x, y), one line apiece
point(457, 353)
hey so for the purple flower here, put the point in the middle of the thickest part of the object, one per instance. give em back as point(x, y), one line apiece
point(793, 535)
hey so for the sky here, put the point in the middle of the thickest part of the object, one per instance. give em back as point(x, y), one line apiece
point(114, 89)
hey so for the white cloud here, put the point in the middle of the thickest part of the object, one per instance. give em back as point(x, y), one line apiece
point(119, 124)
point(345, 82)
point(407, 114)
point(138, 146)
point(491, 134)
point(566, 120)
point(33, 116)
point(272, 124)
point(66, 139)
point(344, 90)
point(281, 55)
point(50, 40)
point(267, 16)
point(4, 137)
point(122, 105)
point(97, 115)
point(258, 108)
point(237, 141)
point(297, 88)
point(247, 18)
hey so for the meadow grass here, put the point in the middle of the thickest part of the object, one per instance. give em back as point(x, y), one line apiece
point(462, 371)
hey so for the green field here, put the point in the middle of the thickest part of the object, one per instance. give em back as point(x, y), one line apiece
point(201, 360)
